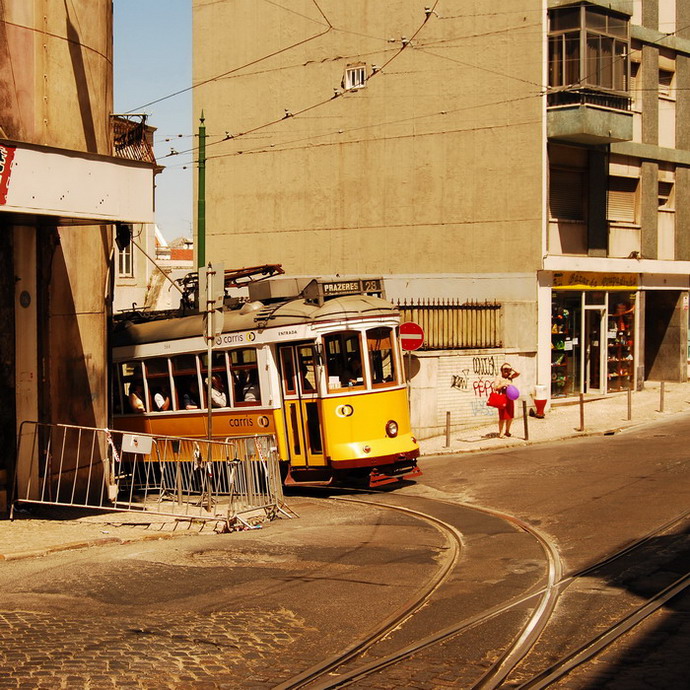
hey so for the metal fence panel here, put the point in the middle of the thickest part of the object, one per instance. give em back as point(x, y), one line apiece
point(182, 477)
point(453, 325)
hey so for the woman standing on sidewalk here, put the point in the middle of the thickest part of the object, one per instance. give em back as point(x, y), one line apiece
point(505, 414)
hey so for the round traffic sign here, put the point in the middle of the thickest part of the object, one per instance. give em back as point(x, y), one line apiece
point(411, 335)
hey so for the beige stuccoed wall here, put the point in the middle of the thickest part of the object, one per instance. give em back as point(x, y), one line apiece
point(58, 57)
point(56, 86)
point(434, 168)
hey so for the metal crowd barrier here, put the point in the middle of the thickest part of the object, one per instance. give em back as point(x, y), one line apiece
point(229, 481)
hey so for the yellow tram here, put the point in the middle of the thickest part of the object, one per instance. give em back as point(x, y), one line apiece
point(316, 363)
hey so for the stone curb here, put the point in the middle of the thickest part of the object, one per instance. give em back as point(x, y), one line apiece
point(71, 546)
point(520, 442)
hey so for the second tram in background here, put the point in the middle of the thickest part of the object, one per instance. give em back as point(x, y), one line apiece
point(315, 362)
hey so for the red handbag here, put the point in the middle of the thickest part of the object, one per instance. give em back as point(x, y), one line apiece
point(497, 400)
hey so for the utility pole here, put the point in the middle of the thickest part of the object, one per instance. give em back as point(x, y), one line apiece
point(201, 197)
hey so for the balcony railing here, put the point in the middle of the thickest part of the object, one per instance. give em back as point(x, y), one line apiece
point(132, 140)
point(589, 97)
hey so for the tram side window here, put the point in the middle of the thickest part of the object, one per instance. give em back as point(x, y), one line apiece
point(186, 380)
point(219, 379)
point(343, 360)
point(245, 376)
point(158, 381)
point(380, 346)
point(132, 378)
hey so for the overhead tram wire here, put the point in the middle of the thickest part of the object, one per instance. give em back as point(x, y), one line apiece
point(443, 113)
point(236, 69)
point(319, 103)
point(385, 64)
point(333, 28)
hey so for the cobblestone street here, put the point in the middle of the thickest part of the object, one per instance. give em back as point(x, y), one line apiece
point(221, 649)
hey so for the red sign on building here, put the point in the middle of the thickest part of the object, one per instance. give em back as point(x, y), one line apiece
point(411, 335)
point(6, 156)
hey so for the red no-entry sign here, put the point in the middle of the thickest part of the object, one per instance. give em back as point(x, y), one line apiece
point(411, 335)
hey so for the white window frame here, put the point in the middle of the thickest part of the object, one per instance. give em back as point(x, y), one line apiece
point(125, 262)
point(355, 77)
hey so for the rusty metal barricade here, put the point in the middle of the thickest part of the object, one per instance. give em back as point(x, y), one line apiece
point(230, 481)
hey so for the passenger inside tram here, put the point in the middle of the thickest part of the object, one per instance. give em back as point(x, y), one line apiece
point(190, 398)
point(136, 397)
point(161, 399)
point(218, 396)
point(352, 375)
point(250, 390)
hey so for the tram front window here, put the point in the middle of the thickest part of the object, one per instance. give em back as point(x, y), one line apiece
point(344, 360)
point(381, 362)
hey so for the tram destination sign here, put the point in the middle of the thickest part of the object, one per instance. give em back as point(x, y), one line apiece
point(323, 288)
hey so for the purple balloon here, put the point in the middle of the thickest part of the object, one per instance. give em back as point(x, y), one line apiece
point(512, 392)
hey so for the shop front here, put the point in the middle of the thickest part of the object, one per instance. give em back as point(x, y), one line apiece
point(594, 332)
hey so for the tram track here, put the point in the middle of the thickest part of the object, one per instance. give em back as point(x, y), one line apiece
point(543, 600)
point(395, 620)
point(318, 675)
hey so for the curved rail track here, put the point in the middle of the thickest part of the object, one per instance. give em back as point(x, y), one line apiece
point(338, 670)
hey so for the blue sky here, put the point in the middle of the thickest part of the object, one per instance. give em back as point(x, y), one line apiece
point(153, 59)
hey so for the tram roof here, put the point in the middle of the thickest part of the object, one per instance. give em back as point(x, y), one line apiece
point(256, 316)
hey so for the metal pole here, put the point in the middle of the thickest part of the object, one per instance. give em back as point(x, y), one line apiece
point(582, 412)
point(661, 397)
point(201, 197)
point(524, 419)
point(210, 303)
point(447, 430)
point(629, 403)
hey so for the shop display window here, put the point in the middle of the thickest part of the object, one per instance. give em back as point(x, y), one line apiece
point(620, 337)
point(565, 344)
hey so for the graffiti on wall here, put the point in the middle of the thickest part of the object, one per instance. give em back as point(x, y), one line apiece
point(470, 383)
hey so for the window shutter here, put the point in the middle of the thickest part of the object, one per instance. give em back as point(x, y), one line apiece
point(565, 195)
point(621, 199)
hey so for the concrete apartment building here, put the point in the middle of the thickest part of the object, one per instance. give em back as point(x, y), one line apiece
point(527, 151)
point(61, 190)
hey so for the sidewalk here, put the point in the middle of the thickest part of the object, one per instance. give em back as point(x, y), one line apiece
point(602, 414)
point(38, 533)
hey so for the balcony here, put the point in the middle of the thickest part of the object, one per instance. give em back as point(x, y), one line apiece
point(589, 117)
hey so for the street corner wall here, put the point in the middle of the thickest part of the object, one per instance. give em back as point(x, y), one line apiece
point(460, 383)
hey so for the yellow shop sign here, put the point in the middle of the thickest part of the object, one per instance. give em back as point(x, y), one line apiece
point(580, 280)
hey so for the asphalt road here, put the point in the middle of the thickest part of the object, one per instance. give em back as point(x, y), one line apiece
point(246, 609)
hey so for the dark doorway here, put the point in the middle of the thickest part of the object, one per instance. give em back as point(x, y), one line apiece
point(8, 423)
point(663, 346)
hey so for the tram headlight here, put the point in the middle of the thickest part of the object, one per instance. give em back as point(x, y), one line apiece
point(392, 428)
point(344, 410)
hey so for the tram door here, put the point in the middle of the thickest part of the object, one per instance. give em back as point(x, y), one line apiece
point(302, 413)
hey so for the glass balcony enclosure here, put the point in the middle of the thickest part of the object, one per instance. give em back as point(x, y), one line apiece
point(589, 63)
